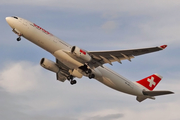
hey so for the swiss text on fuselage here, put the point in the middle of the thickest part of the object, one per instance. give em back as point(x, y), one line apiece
point(40, 28)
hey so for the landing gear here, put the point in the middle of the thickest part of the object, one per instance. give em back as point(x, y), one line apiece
point(18, 33)
point(73, 82)
point(70, 78)
point(87, 71)
point(91, 76)
point(19, 38)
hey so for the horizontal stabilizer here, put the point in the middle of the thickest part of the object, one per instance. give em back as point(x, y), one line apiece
point(157, 93)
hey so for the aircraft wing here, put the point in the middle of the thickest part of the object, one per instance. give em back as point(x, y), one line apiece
point(102, 57)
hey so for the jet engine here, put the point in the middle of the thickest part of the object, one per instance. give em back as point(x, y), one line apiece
point(81, 54)
point(49, 65)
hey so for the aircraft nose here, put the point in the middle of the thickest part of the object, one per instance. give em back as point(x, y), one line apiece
point(9, 21)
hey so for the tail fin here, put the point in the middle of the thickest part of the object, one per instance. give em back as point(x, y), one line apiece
point(150, 82)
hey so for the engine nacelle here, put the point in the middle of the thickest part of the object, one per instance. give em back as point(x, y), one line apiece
point(81, 54)
point(49, 65)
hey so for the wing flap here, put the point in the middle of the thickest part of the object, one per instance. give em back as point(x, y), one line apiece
point(63, 73)
point(60, 77)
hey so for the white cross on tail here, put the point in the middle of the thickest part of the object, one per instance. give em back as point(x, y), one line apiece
point(151, 81)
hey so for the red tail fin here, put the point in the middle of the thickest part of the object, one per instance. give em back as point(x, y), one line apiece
point(151, 81)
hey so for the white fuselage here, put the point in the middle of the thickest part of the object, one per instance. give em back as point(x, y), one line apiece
point(56, 47)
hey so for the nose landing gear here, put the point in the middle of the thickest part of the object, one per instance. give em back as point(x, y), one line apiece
point(19, 38)
point(18, 33)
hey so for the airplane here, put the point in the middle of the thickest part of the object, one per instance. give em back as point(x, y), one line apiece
point(74, 62)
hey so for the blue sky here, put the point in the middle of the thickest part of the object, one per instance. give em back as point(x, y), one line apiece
point(29, 92)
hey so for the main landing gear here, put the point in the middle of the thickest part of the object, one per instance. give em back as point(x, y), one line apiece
point(87, 71)
point(70, 78)
point(91, 76)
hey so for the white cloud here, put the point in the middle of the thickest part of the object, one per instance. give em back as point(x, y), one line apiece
point(148, 110)
point(85, 101)
point(163, 28)
point(106, 114)
point(19, 77)
point(165, 111)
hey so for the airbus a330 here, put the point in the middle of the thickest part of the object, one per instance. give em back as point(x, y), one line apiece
point(72, 61)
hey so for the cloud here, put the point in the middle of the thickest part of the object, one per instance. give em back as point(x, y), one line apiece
point(109, 26)
point(128, 6)
point(164, 111)
point(108, 114)
point(163, 28)
point(106, 117)
point(19, 77)
point(43, 95)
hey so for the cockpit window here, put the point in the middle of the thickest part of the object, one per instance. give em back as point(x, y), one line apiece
point(15, 17)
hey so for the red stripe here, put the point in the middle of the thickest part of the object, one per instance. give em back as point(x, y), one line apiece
point(83, 52)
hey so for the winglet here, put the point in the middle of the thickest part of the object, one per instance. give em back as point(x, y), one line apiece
point(163, 46)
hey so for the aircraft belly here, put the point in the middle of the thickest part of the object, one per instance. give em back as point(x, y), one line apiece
point(118, 82)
